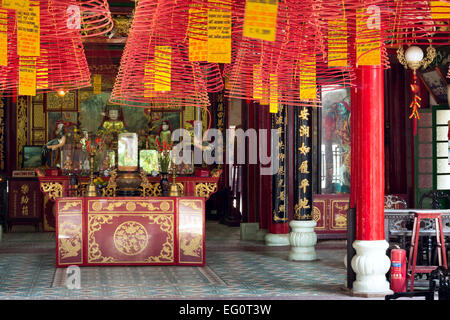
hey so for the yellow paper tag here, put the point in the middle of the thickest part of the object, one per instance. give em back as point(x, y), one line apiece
point(16, 4)
point(260, 21)
point(219, 36)
point(149, 79)
point(27, 76)
point(97, 83)
point(308, 80)
point(3, 38)
point(163, 67)
point(42, 71)
point(198, 42)
point(273, 105)
point(368, 40)
point(337, 43)
point(440, 10)
point(28, 32)
point(265, 97)
point(257, 82)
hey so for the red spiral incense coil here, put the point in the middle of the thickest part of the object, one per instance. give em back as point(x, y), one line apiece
point(300, 48)
point(155, 67)
point(96, 18)
point(61, 64)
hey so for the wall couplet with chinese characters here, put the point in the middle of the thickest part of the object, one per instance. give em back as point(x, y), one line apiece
point(303, 162)
point(279, 204)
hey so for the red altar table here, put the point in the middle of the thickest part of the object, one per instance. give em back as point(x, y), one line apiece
point(98, 231)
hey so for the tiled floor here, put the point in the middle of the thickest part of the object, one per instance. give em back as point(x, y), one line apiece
point(234, 269)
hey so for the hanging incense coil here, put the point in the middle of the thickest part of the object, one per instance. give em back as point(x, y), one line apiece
point(155, 67)
point(61, 63)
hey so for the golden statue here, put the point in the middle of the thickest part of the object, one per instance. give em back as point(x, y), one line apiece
point(113, 123)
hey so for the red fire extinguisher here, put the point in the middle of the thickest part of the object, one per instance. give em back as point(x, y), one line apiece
point(398, 270)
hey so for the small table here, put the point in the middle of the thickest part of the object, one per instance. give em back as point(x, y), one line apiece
point(399, 222)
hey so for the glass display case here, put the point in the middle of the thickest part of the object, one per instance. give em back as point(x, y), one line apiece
point(127, 152)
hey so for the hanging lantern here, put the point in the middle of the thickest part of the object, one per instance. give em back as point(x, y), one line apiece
point(414, 59)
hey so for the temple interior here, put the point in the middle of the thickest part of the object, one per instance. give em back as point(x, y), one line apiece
point(224, 149)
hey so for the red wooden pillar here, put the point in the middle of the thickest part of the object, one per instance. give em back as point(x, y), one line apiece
point(369, 155)
point(370, 262)
point(354, 123)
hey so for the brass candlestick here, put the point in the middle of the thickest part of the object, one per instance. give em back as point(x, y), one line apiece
point(91, 190)
point(174, 192)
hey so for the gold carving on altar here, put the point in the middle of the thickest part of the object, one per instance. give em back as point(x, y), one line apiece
point(70, 241)
point(113, 205)
point(53, 189)
point(164, 206)
point(205, 189)
point(70, 204)
point(131, 206)
point(151, 189)
point(110, 189)
point(192, 247)
point(191, 203)
point(95, 223)
point(148, 205)
point(130, 238)
point(166, 224)
point(97, 206)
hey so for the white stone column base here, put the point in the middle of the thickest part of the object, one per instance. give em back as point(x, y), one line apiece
point(260, 234)
point(273, 239)
point(303, 240)
point(248, 230)
point(371, 264)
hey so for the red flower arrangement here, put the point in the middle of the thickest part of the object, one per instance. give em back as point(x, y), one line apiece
point(164, 155)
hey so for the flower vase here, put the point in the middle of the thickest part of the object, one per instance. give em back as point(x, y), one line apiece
point(164, 183)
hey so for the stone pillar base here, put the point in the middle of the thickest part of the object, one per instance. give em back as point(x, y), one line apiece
point(260, 234)
point(273, 239)
point(303, 240)
point(371, 264)
point(248, 230)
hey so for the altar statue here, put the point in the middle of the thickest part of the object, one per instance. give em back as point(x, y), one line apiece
point(85, 141)
point(58, 142)
point(165, 133)
point(113, 121)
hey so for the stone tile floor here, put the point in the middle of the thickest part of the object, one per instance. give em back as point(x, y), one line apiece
point(234, 269)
